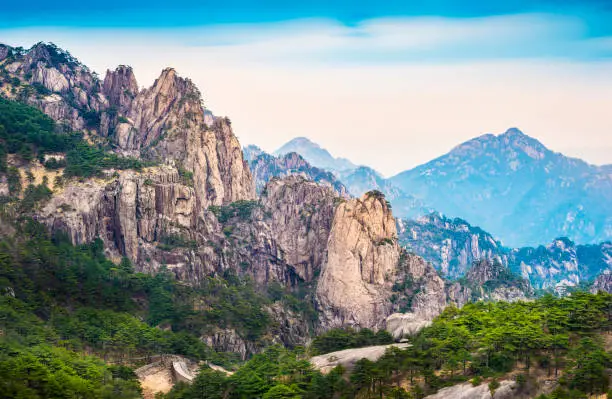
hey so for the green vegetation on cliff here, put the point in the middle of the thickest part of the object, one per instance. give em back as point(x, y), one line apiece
point(28, 133)
point(64, 308)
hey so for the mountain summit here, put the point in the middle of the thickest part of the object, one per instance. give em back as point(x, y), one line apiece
point(315, 155)
point(518, 189)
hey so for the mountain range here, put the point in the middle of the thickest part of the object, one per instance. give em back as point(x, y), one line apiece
point(453, 246)
point(509, 184)
point(133, 225)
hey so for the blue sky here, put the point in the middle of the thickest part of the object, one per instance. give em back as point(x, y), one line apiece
point(426, 75)
point(161, 13)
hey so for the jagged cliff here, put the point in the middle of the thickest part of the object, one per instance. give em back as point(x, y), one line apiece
point(264, 167)
point(453, 246)
point(300, 217)
point(362, 264)
point(193, 209)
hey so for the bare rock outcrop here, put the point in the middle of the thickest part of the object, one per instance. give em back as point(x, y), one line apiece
point(362, 262)
point(348, 357)
point(424, 289)
point(300, 217)
point(603, 282)
point(506, 390)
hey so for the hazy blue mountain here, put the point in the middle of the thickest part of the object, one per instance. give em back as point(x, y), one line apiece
point(517, 189)
point(265, 167)
point(315, 155)
point(454, 245)
point(250, 152)
point(363, 179)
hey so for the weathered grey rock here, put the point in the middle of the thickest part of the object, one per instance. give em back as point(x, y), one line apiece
point(228, 340)
point(348, 357)
point(300, 216)
point(362, 259)
point(426, 292)
point(403, 324)
point(507, 390)
point(603, 282)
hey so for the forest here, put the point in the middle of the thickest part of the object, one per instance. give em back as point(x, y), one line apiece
point(71, 323)
point(480, 343)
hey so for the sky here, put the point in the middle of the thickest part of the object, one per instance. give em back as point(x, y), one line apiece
point(386, 84)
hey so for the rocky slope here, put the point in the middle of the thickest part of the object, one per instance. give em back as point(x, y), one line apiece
point(193, 211)
point(264, 167)
point(362, 263)
point(516, 188)
point(453, 245)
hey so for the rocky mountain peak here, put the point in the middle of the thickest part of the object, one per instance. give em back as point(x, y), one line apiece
point(120, 86)
point(52, 55)
point(362, 262)
point(513, 132)
point(315, 154)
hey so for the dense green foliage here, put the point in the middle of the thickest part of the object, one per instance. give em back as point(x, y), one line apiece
point(88, 161)
point(44, 371)
point(60, 301)
point(480, 342)
point(28, 133)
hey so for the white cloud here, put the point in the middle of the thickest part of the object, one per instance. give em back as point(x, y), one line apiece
point(378, 93)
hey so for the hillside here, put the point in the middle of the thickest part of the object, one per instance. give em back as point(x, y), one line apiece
point(453, 245)
point(514, 187)
point(133, 225)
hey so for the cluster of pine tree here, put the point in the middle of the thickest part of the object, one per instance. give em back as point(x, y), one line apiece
point(29, 134)
point(67, 312)
point(551, 338)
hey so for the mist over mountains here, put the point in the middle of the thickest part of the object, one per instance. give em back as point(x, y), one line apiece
point(509, 184)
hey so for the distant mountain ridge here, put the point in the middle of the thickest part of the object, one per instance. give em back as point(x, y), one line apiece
point(454, 245)
point(264, 167)
point(509, 184)
point(516, 188)
point(315, 155)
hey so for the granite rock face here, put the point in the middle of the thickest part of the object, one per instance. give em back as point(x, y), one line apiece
point(603, 282)
point(362, 263)
point(506, 390)
point(264, 167)
point(300, 217)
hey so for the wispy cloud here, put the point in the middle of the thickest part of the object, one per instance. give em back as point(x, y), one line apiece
point(389, 92)
point(414, 39)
